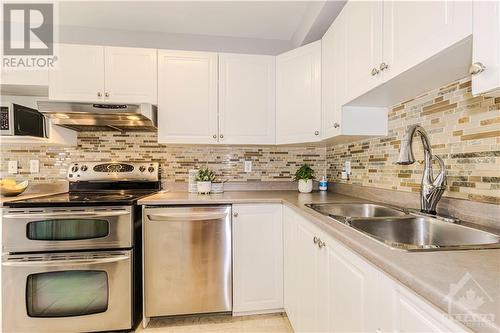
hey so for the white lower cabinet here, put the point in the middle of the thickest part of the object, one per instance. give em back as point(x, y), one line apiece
point(257, 258)
point(328, 288)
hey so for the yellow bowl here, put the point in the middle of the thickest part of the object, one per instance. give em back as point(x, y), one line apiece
point(13, 190)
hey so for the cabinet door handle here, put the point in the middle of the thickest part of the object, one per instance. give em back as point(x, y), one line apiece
point(214, 136)
point(383, 66)
point(99, 94)
point(235, 214)
point(321, 244)
point(375, 71)
point(336, 125)
point(316, 133)
point(106, 94)
point(221, 136)
point(315, 240)
point(476, 68)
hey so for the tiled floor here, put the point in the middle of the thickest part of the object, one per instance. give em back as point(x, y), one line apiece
point(270, 323)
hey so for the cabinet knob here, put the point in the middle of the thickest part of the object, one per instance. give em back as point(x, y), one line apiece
point(315, 240)
point(235, 214)
point(214, 136)
point(476, 68)
point(383, 66)
point(221, 136)
point(321, 244)
point(106, 94)
point(316, 133)
point(99, 94)
point(336, 125)
point(375, 71)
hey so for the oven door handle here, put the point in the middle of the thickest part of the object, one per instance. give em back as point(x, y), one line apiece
point(64, 263)
point(173, 217)
point(68, 215)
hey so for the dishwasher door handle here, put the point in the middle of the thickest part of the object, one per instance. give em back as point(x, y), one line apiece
point(193, 216)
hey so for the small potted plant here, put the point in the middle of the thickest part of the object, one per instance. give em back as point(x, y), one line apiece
point(204, 180)
point(305, 175)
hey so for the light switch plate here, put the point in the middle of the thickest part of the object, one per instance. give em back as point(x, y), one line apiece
point(248, 166)
point(12, 167)
point(348, 167)
point(34, 166)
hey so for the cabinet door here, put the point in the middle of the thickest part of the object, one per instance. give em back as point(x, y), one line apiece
point(298, 95)
point(130, 75)
point(307, 264)
point(247, 99)
point(352, 293)
point(363, 46)
point(291, 281)
point(257, 258)
point(79, 74)
point(486, 45)
point(333, 77)
point(416, 30)
point(187, 97)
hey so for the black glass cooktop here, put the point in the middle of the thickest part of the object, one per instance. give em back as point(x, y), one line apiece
point(120, 197)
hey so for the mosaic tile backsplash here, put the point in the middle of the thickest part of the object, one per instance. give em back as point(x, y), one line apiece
point(464, 130)
point(269, 163)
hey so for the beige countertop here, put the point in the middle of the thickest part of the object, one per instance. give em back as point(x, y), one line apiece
point(38, 190)
point(429, 274)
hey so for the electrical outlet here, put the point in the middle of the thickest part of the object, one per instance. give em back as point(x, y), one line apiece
point(248, 166)
point(34, 166)
point(348, 167)
point(12, 167)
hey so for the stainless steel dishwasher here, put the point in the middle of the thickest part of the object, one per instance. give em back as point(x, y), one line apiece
point(187, 260)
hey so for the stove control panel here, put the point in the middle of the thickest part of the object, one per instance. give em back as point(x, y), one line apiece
point(113, 171)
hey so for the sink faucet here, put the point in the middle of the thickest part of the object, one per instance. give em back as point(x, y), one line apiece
point(432, 188)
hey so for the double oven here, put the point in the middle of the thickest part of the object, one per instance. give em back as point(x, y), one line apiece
point(71, 266)
point(49, 285)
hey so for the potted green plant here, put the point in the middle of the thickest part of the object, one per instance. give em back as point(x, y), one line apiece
point(305, 175)
point(204, 180)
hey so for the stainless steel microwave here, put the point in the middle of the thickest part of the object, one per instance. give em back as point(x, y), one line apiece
point(17, 119)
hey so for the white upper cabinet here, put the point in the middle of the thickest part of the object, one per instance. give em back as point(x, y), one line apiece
point(486, 46)
point(187, 97)
point(416, 30)
point(257, 258)
point(108, 74)
point(363, 45)
point(79, 74)
point(333, 74)
point(298, 95)
point(130, 75)
point(339, 122)
point(395, 50)
point(247, 99)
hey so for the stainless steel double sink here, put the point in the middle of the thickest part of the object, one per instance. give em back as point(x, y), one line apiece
point(408, 230)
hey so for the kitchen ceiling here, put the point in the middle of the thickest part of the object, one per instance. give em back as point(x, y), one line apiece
point(293, 22)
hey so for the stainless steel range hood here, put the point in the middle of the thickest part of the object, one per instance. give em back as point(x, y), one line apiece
point(100, 116)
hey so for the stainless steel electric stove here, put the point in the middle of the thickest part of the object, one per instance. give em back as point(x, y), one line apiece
point(72, 262)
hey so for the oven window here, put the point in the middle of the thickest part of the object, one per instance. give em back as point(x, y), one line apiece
point(67, 229)
point(67, 293)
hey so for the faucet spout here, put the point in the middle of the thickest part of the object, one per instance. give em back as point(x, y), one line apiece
point(431, 188)
point(406, 156)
